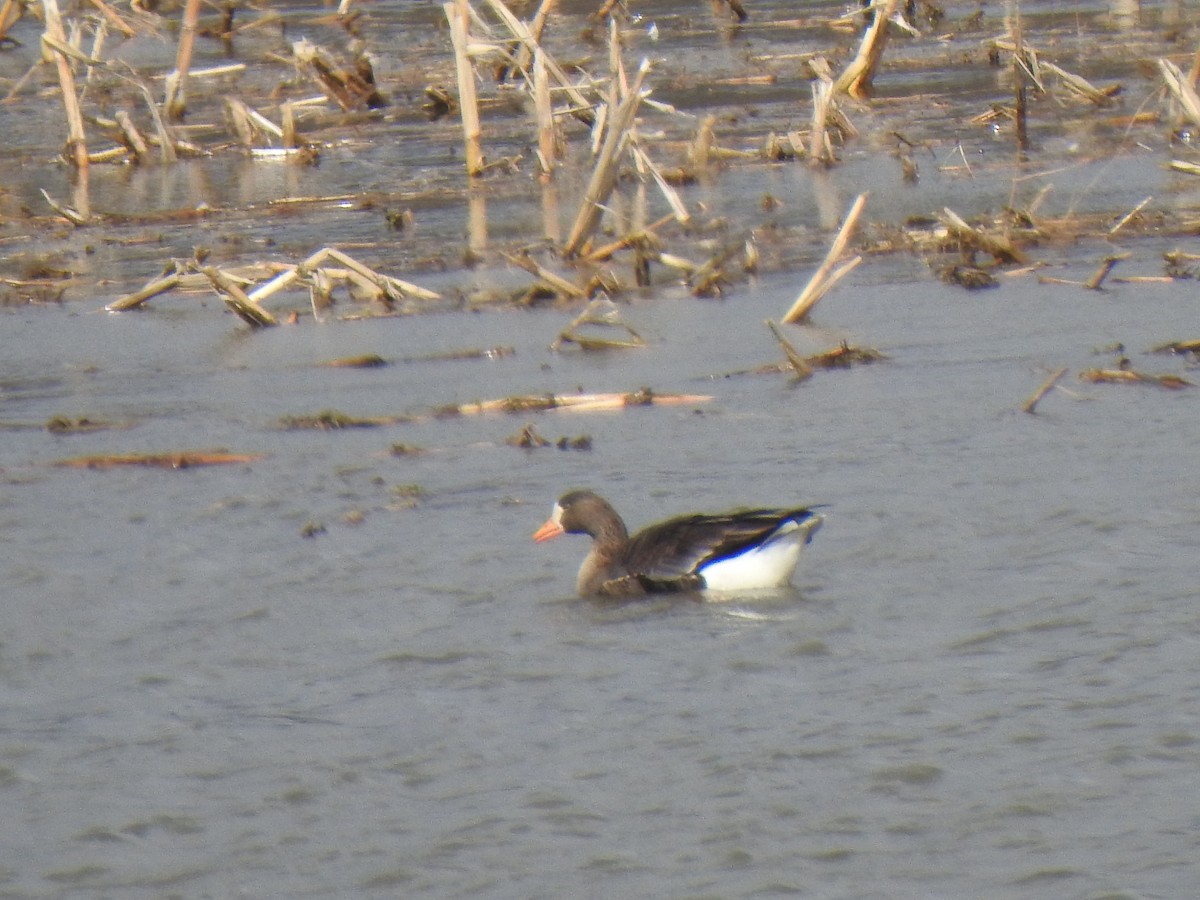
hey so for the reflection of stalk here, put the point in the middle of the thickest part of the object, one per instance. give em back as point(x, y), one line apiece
point(77, 139)
point(457, 15)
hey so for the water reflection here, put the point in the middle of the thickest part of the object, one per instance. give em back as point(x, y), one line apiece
point(477, 230)
point(1125, 13)
point(551, 226)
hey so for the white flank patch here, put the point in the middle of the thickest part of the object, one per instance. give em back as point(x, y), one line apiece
point(768, 566)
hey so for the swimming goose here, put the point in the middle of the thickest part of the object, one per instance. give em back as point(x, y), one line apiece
point(742, 550)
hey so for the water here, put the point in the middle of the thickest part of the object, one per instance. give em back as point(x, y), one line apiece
point(984, 682)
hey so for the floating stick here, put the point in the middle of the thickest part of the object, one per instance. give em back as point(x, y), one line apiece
point(798, 363)
point(1047, 385)
point(184, 460)
point(153, 289)
point(1106, 266)
point(1125, 219)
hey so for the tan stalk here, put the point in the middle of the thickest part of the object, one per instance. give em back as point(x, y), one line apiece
point(458, 15)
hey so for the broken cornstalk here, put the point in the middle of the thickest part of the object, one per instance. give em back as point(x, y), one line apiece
point(822, 280)
point(458, 15)
point(857, 77)
point(1047, 386)
point(175, 103)
point(604, 175)
point(56, 38)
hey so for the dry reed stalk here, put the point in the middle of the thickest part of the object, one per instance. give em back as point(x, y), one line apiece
point(133, 138)
point(605, 9)
point(604, 175)
point(618, 84)
point(601, 254)
point(552, 279)
point(458, 15)
point(186, 459)
point(856, 79)
point(111, 16)
point(237, 121)
point(175, 102)
point(1001, 248)
point(235, 298)
point(578, 402)
point(522, 32)
point(1106, 266)
point(820, 149)
point(1080, 86)
point(547, 138)
point(600, 312)
point(536, 27)
point(678, 208)
point(1129, 376)
point(1030, 405)
point(74, 216)
point(822, 280)
point(249, 122)
point(396, 284)
point(10, 14)
point(1128, 217)
point(351, 90)
point(311, 270)
point(76, 150)
point(1181, 89)
point(1184, 167)
point(1018, 71)
point(798, 363)
point(153, 289)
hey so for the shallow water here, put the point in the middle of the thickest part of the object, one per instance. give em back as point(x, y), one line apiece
point(985, 682)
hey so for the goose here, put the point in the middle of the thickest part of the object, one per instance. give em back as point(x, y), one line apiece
point(742, 550)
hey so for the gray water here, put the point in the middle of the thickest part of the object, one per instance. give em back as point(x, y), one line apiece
point(984, 683)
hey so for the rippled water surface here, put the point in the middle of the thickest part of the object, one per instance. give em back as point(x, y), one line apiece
point(343, 670)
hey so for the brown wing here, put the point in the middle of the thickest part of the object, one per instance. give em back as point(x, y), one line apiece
point(678, 547)
point(639, 585)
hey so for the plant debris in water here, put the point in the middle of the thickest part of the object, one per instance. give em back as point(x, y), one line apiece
point(528, 438)
point(187, 459)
